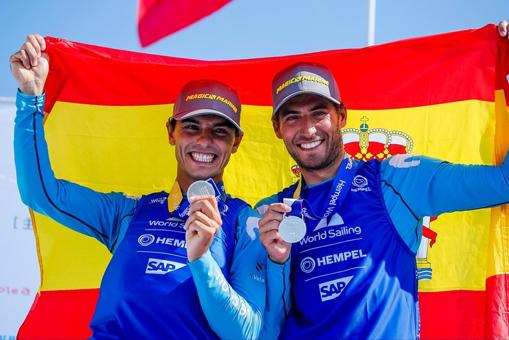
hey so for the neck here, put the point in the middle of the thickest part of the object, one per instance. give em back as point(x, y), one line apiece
point(316, 176)
point(185, 181)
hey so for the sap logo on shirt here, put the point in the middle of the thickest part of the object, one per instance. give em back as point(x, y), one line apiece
point(161, 267)
point(332, 289)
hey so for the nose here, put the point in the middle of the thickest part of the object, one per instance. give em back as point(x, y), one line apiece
point(308, 128)
point(205, 138)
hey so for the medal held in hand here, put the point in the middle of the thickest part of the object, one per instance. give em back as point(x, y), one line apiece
point(292, 229)
point(200, 188)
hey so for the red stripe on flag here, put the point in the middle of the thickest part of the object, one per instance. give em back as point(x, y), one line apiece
point(458, 314)
point(452, 315)
point(378, 77)
point(61, 314)
point(497, 307)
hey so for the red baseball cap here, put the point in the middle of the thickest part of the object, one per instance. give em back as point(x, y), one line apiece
point(205, 97)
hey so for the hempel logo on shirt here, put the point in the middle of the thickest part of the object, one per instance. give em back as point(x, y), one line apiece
point(360, 183)
point(161, 267)
point(332, 289)
point(308, 264)
point(146, 240)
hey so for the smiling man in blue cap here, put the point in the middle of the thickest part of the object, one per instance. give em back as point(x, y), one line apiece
point(351, 273)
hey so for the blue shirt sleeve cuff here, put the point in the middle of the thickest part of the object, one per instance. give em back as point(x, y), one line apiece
point(201, 263)
point(23, 100)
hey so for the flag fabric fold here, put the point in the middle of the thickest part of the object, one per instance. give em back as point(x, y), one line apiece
point(160, 18)
point(444, 96)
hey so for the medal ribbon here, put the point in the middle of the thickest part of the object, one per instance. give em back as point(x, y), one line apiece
point(337, 194)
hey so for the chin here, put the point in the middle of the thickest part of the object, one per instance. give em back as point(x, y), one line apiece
point(201, 175)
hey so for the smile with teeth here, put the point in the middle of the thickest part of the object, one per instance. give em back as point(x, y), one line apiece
point(310, 145)
point(202, 157)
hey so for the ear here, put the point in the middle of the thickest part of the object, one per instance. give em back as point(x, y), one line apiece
point(277, 127)
point(236, 142)
point(342, 114)
point(171, 132)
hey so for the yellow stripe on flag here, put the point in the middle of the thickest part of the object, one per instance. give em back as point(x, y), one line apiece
point(498, 255)
point(76, 261)
point(110, 150)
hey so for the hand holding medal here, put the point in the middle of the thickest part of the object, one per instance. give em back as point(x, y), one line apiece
point(292, 228)
point(277, 249)
point(204, 219)
point(278, 231)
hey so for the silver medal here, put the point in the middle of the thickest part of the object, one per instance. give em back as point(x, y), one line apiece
point(200, 188)
point(292, 229)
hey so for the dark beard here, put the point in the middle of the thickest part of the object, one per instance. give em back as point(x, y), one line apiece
point(334, 152)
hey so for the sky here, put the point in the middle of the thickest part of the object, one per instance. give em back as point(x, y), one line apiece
point(243, 28)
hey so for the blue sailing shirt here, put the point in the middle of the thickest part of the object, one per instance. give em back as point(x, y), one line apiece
point(363, 284)
point(149, 291)
point(356, 244)
point(148, 279)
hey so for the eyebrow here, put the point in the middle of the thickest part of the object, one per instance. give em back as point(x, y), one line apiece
point(318, 106)
point(223, 123)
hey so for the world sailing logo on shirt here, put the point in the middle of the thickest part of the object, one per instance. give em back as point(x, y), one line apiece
point(336, 220)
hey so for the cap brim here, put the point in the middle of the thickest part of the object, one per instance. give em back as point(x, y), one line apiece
point(202, 112)
point(298, 93)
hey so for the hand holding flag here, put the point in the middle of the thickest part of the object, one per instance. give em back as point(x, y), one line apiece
point(503, 29)
point(30, 65)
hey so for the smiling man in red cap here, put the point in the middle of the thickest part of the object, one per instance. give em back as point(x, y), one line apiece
point(176, 270)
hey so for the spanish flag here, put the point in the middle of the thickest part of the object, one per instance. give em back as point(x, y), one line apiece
point(444, 96)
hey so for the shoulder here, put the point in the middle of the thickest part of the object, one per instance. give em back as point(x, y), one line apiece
point(152, 198)
point(405, 163)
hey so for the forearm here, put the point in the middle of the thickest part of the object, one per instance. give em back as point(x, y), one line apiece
point(432, 187)
point(278, 299)
point(467, 187)
point(229, 314)
point(77, 207)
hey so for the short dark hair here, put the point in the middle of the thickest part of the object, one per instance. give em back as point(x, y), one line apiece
point(172, 122)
